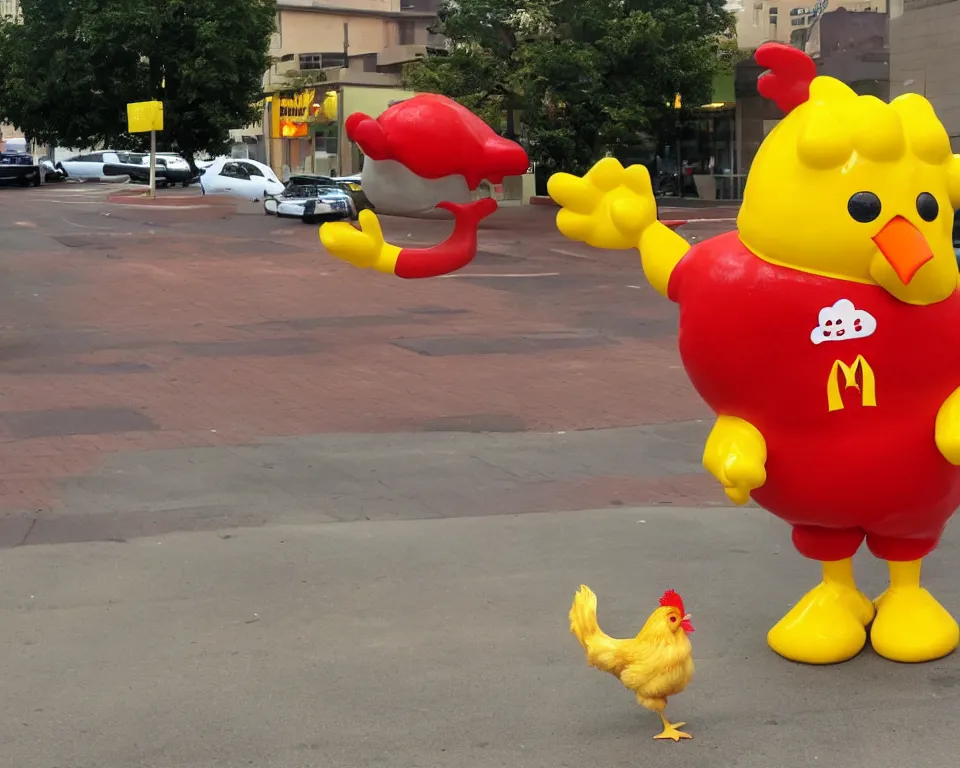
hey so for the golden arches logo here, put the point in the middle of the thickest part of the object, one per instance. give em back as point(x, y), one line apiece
point(867, 384)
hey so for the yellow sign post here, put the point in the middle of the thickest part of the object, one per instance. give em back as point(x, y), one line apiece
point(144, 117)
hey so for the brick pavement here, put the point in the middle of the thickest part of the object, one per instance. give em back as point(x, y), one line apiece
point(125, 330)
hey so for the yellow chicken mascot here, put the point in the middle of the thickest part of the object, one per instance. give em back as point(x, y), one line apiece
point(824, 334)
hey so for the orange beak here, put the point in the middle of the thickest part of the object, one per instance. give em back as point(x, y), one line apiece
point(904, 247)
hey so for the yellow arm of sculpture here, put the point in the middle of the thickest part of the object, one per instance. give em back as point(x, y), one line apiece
point(613, 207)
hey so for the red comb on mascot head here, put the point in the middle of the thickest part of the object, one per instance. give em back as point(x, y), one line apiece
point(421, 155)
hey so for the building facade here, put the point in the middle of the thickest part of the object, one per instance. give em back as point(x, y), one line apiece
point(848, 45)
point(332, 48)
point(787, 21)
point(923, 38)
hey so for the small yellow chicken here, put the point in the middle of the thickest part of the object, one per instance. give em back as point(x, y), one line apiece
point(655, 664)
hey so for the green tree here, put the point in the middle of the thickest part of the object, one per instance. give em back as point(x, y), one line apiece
point(730, 53)
point(69, 69)
point(590, 76)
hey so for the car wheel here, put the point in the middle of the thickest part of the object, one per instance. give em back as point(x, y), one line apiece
point(309, 219)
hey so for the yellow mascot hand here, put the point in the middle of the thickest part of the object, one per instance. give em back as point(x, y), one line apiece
point(610, 207)
point(736, 455)
point(363, 247)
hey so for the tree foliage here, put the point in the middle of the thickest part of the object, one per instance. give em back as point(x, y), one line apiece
point(730, 53)
point(69, 69)
point(589, 75)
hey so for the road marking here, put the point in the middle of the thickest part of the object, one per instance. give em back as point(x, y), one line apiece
point(570, 253)
point(150, 207)
point(73, 202)
point(503, 274)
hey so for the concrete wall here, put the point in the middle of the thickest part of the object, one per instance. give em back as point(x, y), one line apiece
point(923, 42)
point(793, 19)
point(370, 101)
point(381, 6)
point(843, 31)
point(311, 32)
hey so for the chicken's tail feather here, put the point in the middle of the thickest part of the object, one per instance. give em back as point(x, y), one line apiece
point(599, 646)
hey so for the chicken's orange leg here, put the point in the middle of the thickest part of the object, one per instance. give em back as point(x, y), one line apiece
point(829, 623)
point(911, 625)
point(670, 730)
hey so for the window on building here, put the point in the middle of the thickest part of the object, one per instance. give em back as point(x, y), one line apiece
point(407, 32)
point(322, 60)
point(798, 22)
point(326, 142)
point(773, 17)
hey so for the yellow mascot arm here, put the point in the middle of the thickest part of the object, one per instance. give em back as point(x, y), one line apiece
point(947, 431)
point(613, 207)
point(736, 455)
point(364, 247)
point(660, 251)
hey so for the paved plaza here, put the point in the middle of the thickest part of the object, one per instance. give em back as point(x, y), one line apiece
point(259, 508)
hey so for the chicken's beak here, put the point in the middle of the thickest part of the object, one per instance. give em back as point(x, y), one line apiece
point(903, 245)
point(685, 624)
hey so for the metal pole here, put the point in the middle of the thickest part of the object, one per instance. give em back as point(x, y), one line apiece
point(153, 164)
point(679, 162)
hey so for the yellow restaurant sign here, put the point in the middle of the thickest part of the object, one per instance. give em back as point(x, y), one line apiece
point(299, 106)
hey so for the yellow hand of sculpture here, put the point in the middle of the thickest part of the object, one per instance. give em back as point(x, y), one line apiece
point(947, 431)
point(610, 207)
point(736, 454)
point(363, 247)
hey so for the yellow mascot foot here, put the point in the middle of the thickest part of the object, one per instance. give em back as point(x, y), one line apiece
point(827, 626)
point(912, 627)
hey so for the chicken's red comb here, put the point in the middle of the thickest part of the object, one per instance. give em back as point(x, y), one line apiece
point(791, 72)
point(671, 599)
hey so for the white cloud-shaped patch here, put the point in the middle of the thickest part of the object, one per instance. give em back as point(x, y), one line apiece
point(843, 321)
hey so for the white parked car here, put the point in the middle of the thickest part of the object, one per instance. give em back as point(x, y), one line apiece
point(247, 179)
point(356, 180)
point(312, 199)
point(109, 165)
point(177, 169)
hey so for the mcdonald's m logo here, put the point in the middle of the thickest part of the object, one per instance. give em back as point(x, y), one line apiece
point(857, 376)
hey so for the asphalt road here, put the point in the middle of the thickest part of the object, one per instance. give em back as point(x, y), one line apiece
point(259, 508)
